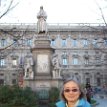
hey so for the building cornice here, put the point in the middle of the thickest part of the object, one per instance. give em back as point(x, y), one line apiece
point(54, 26)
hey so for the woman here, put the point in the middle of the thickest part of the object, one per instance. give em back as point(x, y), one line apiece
point(72, 95)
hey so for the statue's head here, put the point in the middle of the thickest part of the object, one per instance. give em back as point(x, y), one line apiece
point(41, 7)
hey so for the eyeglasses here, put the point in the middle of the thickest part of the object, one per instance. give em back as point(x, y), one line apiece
point(73, 90)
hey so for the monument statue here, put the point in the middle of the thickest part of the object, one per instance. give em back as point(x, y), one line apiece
point(28, 74)
point(55, 61)
point(56, 66)
point(41, 24)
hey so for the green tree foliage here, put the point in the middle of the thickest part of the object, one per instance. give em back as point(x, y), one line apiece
point(18, 97)
point(53, 96)
point(5, 94)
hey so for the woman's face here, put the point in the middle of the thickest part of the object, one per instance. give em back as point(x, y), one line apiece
point(71, 91)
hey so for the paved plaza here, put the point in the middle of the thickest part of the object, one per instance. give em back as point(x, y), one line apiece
point(102, 102)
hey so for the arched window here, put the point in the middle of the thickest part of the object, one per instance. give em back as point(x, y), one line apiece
point(75, 61)
point(2, 62)
point(29, 42)
point(64, 59)
point(14, 61)
point(15, 41)
point(3, 42)
point(64, 42)
point(95, 44)
point(105, 41)
point(86, 58)
point(53, 42)
point(85, 42)
point(74, 42)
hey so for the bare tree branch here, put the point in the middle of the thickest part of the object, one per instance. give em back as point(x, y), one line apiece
point(9, 8)
point(102, 14)
point(21, 35)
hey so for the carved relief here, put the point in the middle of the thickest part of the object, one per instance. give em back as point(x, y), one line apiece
point(42, 63)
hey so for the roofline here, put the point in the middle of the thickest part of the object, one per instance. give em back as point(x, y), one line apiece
point(54, 26)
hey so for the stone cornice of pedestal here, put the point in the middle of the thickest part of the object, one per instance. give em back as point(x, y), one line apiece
point(42, 47)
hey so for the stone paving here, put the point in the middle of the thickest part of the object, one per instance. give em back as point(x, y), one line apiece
point(102, 102)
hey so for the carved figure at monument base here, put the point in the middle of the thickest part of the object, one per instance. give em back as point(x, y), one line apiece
point(56, 67)
point(29, 73)
point(56, 73)
point(28, 68)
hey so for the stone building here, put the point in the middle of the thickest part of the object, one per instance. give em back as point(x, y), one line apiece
point(42, 55)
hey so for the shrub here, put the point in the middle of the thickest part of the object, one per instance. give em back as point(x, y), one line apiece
point(5, 94)
point(53, 96)
point(15, 96)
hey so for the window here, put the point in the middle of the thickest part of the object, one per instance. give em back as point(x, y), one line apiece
point(21, 62)
point(105, 41)
point(86, 58)
point(15, 42)
point(64, 61)
point(98, 58)
point(14, 81)
point(86, 61)
point(53, 42)
point(14, 62)
point(95, 43)
point(29, 42)
point(98, 81)
point(3, 42)
point(2, 62)
point(75, 61)
point(1, 81)
point(87, 80)
point(74, 42)
point(85, 42)
point(1, 74)
point(64, 42)
point(13, 74)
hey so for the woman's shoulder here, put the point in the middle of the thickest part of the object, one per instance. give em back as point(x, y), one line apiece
point(84, 103)
point(60, 103)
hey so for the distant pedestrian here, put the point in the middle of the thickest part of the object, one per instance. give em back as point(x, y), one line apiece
point(88, 92)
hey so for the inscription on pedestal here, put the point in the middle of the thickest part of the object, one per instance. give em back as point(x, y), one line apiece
point(42, 63)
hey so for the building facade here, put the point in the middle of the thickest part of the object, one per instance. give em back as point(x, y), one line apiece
point(80, 51)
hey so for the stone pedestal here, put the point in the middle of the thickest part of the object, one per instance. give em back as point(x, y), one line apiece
point(42, 56)
point(42, 53)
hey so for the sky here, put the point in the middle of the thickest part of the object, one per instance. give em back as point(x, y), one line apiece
point(58, 11)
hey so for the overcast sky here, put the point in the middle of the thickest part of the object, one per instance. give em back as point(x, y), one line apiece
point(58, 11)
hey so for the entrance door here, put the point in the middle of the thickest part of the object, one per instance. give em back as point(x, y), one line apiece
point(43, 95)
